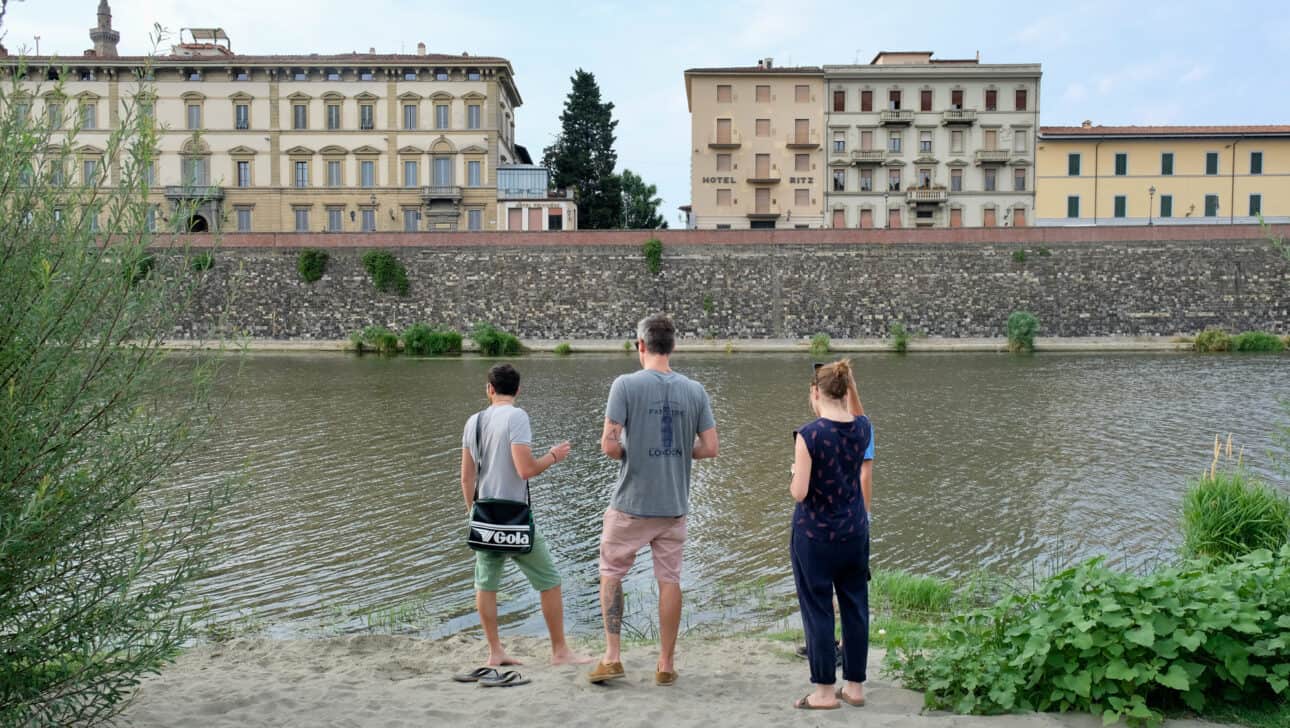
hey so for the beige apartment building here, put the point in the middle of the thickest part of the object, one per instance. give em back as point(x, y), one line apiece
point(278, 143)
point(915, 141)
point(757, 147)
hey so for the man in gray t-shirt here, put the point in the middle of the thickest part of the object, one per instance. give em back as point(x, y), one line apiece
point(657, 423)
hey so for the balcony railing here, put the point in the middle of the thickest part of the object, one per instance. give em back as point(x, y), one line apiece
point(809, 140)
point(764, 212)
point(896, 116)
point(765, 176)
point(992, 156)
point(442, 192)
point(958, 116)
point(194, 192)
point(926, 195)
point(733, 140)
point(868, 156)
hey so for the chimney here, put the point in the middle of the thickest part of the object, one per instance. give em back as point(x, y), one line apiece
point(421, 49)
point(770, 62)
point(1087, 124)
point(371, 51)
point(761, 63)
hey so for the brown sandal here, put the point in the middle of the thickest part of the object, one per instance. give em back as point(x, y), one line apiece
point(853, 703)
point(805, 704)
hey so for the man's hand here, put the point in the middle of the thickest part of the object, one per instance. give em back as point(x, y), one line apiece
point(560, 452)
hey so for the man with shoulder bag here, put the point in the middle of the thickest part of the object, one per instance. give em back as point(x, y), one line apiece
point(496, 464)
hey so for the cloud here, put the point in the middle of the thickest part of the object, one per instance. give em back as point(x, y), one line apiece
point(1075, 92)
point(1051, 31)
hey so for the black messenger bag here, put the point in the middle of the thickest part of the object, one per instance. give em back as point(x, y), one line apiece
point(497, 524)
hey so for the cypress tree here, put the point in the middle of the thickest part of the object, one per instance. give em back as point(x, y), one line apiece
point(583, 156)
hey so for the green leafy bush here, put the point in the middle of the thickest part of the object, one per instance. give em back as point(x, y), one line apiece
point(1019, 256)
point(1257, 341)
point(495, 342)
point(1229, 513)
point(380, 339)
point(899, 337)
point(202, 261)
point(653, 250)
point(422, 340)
point(311, 263)
point(821, 344)
point(1116, 645)
point(1212, 339)
point(140, 269)
point(563, 348)
point(1022, 327)
point(386, 271)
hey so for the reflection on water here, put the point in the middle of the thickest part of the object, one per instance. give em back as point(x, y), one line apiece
point(982, 461)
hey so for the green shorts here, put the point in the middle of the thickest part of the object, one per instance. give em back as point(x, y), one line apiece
point(536, 565)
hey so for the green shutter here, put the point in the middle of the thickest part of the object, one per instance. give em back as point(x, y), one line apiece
point(1120, 205)
point(1211, 205)
point(1072, 166)
point(1211, 163)
point(1167, 163)
point(1166, 206)
point(1256, 162)
point(1072, 207)
point(1256, 205)
point(1121, 165)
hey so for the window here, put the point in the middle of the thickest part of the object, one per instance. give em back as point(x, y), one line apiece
point(991, 100)
point(333, 75)
point(988, 218)
point(442, 171)
point(441, 74)
point(991, 178)
point(367, 173)
point(723, 162)
point(410, 75)
point(89, 116)
point(1072, 207)
point(1211, 205)
point(1256, 205)
point(94, 220)
point(1256, 163)
point(991, 141)
point(23, 110)
point(956, 142)
point(150, 221)
point(411, 219)
point(150, 174)
point(194, 75)
point(302, 174)
point(54, 108)
point(409, 116)
point(89, 171)
point(1166, 163)
point(1211, 163)
point(866, 140)
point(333, 173)
point(1166, 206)
point(299, 116)
point(300, 76)
point(409, 173)
point(763, 127)
point(1072, 165)
point(472, 117)
point(801, 198)
point(839, 180)
point(194, 172)
point(334, 217)
point(368, 220)
point(956, 180)
point(1021, 99)
point(925, 142)
point(723, 198)
point(893, 179)
point(57, 173)
point(802, 93)
point(194, 116)
point(893, 141)
point(839, 218)
point(1019, 139)
point(925, 177)
point(866, 179)
point(242, 116)
point(473, 176)
point(1121, 205)
point(441, 116)
point(893, 217)
point(801, 163)
point(242, 75)
point(956, 99)
point(893, 100)
point(333, 116)
point(87, 74)
point(1121, 164)
point(724, 96)
point(243, 172)
point(1019, 179)
point(839, 100)
point(473, 76)
point(866, 101)
point(925, 100)
point(763, 94)
point(474, 219)
point(366, 116)
point(366, 75)
point(302, 219)
point(839, 142)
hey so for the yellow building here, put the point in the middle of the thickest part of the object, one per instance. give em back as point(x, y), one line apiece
point(757, 156)
point(279, 143)
point(1162, 175)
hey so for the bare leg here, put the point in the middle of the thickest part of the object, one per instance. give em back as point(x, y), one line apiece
point(553, 613)
point(611, 607)
point(486, 604)
point(669, 623)
point(853, 690)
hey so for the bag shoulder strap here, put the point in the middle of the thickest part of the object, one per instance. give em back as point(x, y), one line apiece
point(479, 462)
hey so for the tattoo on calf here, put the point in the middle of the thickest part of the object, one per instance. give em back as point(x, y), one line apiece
point(614, 610)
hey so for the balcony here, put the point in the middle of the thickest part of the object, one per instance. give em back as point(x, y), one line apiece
point(952, 117)
point(733, 140)
point(992, 156)
point(765, 212)
point(194, 192)
point(809, 140)
point(868, 156)
point(894, 117)
point(765, 176)
point(932, 195)
point(450, 193)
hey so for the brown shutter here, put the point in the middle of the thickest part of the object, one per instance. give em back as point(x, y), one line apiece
point(839, 218)
point(1019, 217)
point(956, 217)
point(866, 101)
point(535, 218)
point(989, 217)
point(866, 218)
point(515, 219)
point(925, 100)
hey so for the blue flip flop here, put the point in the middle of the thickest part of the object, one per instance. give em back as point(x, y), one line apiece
point(475, 675)
point(508, 679)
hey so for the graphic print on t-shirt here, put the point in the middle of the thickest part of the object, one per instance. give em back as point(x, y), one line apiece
point(666, 410)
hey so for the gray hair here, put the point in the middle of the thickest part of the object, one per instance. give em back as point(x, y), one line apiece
point(658, 332)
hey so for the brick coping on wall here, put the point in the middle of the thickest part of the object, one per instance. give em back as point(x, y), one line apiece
point(1143, 234)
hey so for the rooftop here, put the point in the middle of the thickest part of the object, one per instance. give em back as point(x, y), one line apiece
point(1129, 132)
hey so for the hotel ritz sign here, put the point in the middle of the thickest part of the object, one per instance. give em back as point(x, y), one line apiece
point(732, 180)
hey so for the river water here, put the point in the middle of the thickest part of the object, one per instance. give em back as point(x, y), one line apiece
point(351, 514)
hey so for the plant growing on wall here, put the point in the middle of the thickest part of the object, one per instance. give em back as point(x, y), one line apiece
point(653, 250)
point(1213, 340)
point(492, 341)
point(386, 272)
point(899, 337)
point(821, 344)
point(1022, 327)
point(311, 263)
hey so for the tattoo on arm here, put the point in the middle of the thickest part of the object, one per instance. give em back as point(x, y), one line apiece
point(614, 610)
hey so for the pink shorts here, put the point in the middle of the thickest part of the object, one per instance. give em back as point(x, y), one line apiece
point(624, 535)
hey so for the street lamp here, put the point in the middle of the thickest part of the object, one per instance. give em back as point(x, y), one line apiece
point(885, 204)
point(1151, 203)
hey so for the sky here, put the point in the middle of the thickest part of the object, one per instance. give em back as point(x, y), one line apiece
point(1111, 62)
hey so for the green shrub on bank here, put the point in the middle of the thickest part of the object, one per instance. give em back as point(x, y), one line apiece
point(495, 342)
point(1212, 340)
point(377, 338)
point(563, 348)
point(1257, 341)
point(1022, 327)
point(1229, 513)
point(311, 263)
point(386, 271)
point(821, 344)
point(202, 261)
point(422, 340)
point(1117, 645)
point(1019, 255)
point(653, 250)
point(899, 337)
point(906, 594)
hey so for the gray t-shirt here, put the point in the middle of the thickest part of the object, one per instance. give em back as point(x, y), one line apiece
point(503, 425)
point(660, 415)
